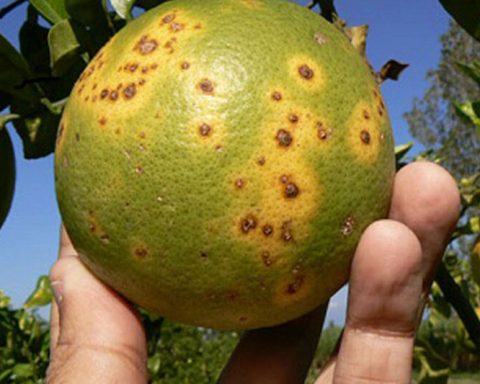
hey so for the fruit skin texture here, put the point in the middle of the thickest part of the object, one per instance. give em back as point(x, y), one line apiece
point(7, 174)
point(218, 161)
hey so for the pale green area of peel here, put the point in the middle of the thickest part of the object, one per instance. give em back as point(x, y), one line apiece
point(151, 205)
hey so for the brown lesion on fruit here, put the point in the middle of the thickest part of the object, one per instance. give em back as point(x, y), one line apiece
point(102, 120)
point(324, 133)
point(266, 258)
point(286, 233)
point(146, 45)
point(294, 286)
point(284, 138)
point(176, 27)
point(306, 72)
point(291, 190)
point(94, 227)
point(104, 93)
point(140, 252)
point(197, 26)
point(277, 96)
point(142, 134)
point(364, 133)
point(205, 130)
point(130, 91)
point(261, 160)
point(239, 183)
point(141, 82)
point(60, 131)
point(113, 95)
point(320, 38)
point(206, 86)
point(77, 137)
point(293, 118)
point(365, 137)
point(347, 226)
point(168, 18)
point(139, 170)
point(267, 230)
point(185, 65)
point(248, 223)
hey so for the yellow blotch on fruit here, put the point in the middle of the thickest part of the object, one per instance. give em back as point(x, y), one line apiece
point(305, 72)
point(365, 136)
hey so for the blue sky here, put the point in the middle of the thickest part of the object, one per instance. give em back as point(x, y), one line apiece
point(407, 31)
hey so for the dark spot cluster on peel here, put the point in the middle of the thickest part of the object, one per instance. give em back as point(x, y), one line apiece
point(266, 258)
point(295, 285)
point(291, 189)
point(248, 223)
point(380, 104)
point(287, 235)
point(323, 133)
point(347, 226)
point(146, 45)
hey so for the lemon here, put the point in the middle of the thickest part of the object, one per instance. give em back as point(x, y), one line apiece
point(218, 161)
point(7, 174)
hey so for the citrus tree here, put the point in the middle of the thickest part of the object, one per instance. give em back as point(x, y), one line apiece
point(58, 38)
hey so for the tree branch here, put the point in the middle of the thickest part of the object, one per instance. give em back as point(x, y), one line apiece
point(453, 294)
point(10, 7)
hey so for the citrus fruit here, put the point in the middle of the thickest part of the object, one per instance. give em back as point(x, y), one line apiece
point(218, 161)
point(7, 174)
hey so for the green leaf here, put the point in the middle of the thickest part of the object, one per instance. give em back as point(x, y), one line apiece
point(123, 8)
point(42, 295)
point(15, 74)
point(470, 111)
point(64, 47)
point(23, 371)
point(466, 13)
point(52, 10)
point(34, 46)
point(4, 300)
point(37, 127)
point(402, 149)
point(472, 71)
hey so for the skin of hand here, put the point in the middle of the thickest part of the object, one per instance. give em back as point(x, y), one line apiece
point(97, 337)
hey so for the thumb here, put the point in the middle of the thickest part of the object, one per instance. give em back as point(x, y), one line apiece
point(97, 337)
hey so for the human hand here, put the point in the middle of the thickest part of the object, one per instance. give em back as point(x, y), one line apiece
point(98, 338)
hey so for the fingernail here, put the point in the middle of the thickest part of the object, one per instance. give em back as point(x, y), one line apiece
point(57, 288)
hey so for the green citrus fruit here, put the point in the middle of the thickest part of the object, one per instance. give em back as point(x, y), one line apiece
point(218, 161)
point(7, 174)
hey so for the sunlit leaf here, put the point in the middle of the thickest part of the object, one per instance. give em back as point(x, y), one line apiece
point(402, 149)
point(64, 47)
point(52, 10)
point(470, 111)
point(42, 295)
point(4, 299)
point(123, 8)
point(472, 71)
